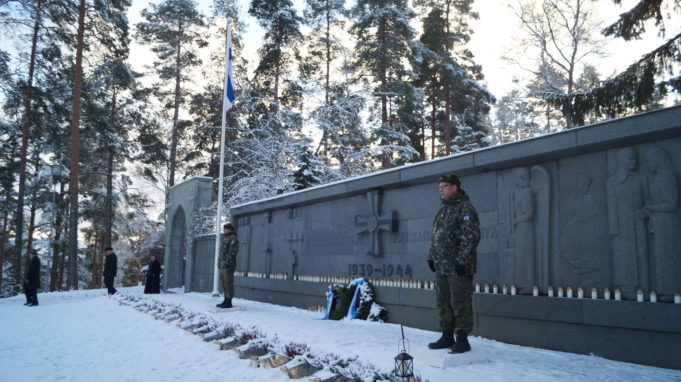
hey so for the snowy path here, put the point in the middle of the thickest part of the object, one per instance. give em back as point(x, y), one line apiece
point(89, 337)
point(86, 336)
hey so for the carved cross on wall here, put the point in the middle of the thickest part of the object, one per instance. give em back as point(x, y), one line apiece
point(376, 222)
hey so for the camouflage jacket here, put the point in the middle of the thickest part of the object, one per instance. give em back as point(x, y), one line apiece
point(456, 233)
point(229, 248)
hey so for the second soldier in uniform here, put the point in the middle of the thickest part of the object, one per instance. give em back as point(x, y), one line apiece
point(227, 263)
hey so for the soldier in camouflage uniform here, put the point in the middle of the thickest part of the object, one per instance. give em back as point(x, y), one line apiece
point(452, 256)
point(227, 263)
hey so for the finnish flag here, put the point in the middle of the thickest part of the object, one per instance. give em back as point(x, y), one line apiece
point(228, 100)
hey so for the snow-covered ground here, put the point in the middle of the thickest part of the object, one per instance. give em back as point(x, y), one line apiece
point(87, 336)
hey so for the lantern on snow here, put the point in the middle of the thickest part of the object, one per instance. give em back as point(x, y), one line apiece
point(404, 363)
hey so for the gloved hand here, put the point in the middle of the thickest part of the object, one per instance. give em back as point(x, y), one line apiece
point(431, 265)
point(460, 269)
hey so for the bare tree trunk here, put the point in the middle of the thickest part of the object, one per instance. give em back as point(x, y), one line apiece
point(327, 96)
point(176, 113)
point(433, 115)
point(72, 279)
point(57, 260)
point(448, 133)
point(328, 52)
point(100, 275)
point(109, 181)
point(93, 279)
point(385, 158)
point(31, 223)
point(448, 121)
point(33, 208)
point(64, 248)
point(25, 132)
point(277, 75)
point(5, 237)
point(423, 141)
point(62, 263)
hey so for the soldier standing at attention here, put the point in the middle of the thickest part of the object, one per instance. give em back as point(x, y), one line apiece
point(452, 256)
point(227, 263)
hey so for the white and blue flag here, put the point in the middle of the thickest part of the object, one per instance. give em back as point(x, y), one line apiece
point(229, 79)
point(227, 102)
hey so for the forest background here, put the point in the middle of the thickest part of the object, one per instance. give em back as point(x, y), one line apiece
point(106, 104)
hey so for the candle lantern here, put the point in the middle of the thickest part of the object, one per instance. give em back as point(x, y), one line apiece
point(404, 363)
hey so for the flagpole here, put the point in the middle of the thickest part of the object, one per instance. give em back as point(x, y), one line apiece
point(226, 105)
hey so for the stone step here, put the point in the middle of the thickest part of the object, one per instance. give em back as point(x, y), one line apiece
point(441, 357)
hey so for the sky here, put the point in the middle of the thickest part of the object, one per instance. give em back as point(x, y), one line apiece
point(495, 32)
point(84, 335)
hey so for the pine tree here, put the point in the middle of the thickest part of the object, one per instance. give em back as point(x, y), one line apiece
point(205, 107)
point(347, 143)
point(383, 44)
point(282, 32)
point(433, 71)
point(72, 275)
point(310, 170)
point(173, 30)
point(324, 47)
point(343, 145)
point(36, 11)
point(9, 165)
point(464, 102)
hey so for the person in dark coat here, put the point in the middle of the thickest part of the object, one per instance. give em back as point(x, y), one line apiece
point(32, 280)
point(153, 284)
point(110, 267)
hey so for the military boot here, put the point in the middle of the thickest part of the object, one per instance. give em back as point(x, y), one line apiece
point(227, 303)
point(445, 341)
point(461, 345)
point(222, 304)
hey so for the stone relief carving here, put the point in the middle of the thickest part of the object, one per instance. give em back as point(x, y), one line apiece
point(376, 222)
point(661, 213)
point(579, 229)
point(522, 228)
point(626, 224)
point(529, 213)
point(541, 187)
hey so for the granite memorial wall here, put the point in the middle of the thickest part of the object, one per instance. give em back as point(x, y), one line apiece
point(580, 247)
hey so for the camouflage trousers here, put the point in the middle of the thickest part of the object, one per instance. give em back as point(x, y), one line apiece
point(453, 296)
point(227, 280)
